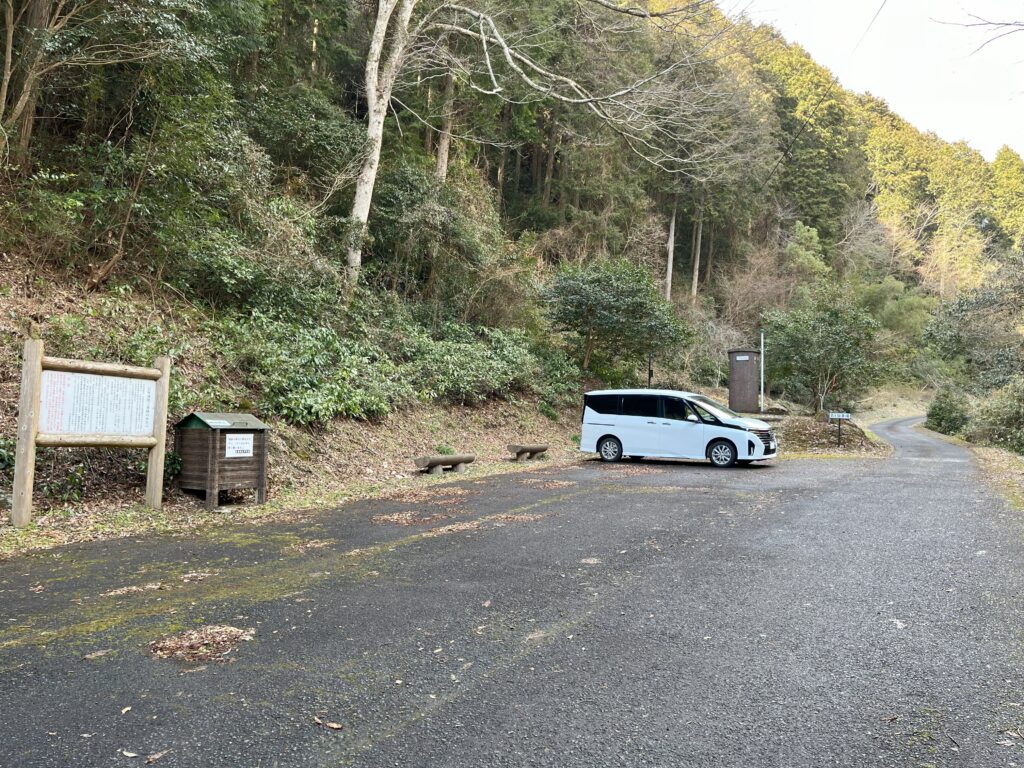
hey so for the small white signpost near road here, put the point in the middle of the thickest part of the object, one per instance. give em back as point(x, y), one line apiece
point(77, 403)
point(839, 416)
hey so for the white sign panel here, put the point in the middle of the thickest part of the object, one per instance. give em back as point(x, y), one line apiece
point(742, 357)
point(237, 446)
point(840, 416)
point(88, 404)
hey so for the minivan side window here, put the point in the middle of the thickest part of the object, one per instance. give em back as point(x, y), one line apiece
point(676, 409)
point(705, 415)
point(640, 405)
point(603, 403)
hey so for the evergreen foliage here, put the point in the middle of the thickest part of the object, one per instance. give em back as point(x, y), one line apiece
point(211, 153)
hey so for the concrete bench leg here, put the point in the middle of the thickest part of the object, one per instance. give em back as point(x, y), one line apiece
point(522, 456)
point(460, 467)
point(436, 470)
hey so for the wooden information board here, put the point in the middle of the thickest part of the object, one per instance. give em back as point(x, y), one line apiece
point(78, 403)
point(87, 404)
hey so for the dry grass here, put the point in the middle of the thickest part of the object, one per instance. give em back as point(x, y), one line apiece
point(1005, 470)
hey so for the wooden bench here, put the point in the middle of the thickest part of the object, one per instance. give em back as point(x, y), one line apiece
point(525, 452)
point(435, 464)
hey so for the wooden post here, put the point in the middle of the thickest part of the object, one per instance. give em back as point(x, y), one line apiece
point(155, 469)
point(213, 471)
point(28, 427)
point(261, 491)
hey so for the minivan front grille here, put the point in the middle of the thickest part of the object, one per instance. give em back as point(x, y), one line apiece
point(765, 435)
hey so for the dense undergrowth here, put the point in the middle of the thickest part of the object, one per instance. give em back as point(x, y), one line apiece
point(995, 419)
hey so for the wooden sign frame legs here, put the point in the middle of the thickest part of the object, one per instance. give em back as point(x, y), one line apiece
point(155, 465)
point(33, 365)
point(28, 427)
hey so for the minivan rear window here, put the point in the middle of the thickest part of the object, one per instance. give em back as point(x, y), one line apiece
point(603, 403)
point(640, 405)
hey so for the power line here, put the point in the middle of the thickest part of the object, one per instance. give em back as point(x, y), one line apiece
point(807, 119)
point(870, 25)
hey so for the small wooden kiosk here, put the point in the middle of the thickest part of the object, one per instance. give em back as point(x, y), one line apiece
point(220, 452)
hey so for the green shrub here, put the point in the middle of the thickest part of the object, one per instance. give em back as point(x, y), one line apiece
point(615, 313)
point(472, 366)
point(999, 419)
point(949, 412)
point(547, 410)
point(309, 373)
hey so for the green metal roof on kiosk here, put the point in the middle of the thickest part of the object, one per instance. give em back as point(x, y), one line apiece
point(207, 420)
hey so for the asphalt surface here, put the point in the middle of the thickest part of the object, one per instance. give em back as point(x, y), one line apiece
point(806, 613)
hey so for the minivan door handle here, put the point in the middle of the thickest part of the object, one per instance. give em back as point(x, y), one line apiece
point(652, 422)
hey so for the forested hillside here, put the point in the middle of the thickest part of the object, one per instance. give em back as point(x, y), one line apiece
point(340, 209)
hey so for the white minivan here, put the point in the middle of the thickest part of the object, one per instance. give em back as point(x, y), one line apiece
point(665, 423)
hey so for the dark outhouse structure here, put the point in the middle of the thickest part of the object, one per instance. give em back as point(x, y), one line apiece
point(220, 452)
point(744, 380)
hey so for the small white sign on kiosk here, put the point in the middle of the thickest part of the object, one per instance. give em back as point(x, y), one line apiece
point(78, 403)
point(238, 446)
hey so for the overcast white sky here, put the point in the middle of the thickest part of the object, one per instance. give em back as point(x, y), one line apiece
point(927, 71)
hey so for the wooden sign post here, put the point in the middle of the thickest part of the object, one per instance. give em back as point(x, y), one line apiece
point(78, 403)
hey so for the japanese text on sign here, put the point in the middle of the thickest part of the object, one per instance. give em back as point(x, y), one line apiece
point(88, 404)
point(237, 446)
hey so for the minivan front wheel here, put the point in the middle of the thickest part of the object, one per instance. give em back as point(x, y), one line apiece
point(610, 449)
point(722, 453)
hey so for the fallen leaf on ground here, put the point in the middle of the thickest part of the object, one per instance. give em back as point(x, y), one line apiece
point(97, 654)
point(156, 756)
point(134, 589)
point(126, 753)
point(126, 709)
point(210, 643)
point(469, 525)
point(515, 518)
point(309, 544)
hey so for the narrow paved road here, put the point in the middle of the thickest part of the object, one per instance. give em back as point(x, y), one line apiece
point(811, 613)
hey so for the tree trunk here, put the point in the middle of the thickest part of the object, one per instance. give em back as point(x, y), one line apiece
point(502, 159)
point(8, 66)
point(563, 175)
point(588, 350)
point(711, 254)
point(444, 142)
point(428, 138)
point(312, 47)
point(499, 184)
point(379, 81)
point(21, 118)
point(535, 170)
point(696, 252)
point(549, 168)
point(670, 247)
point(517, 170)
point(364, 189)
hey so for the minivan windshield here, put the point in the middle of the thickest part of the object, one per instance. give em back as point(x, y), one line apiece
point(716, 409)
